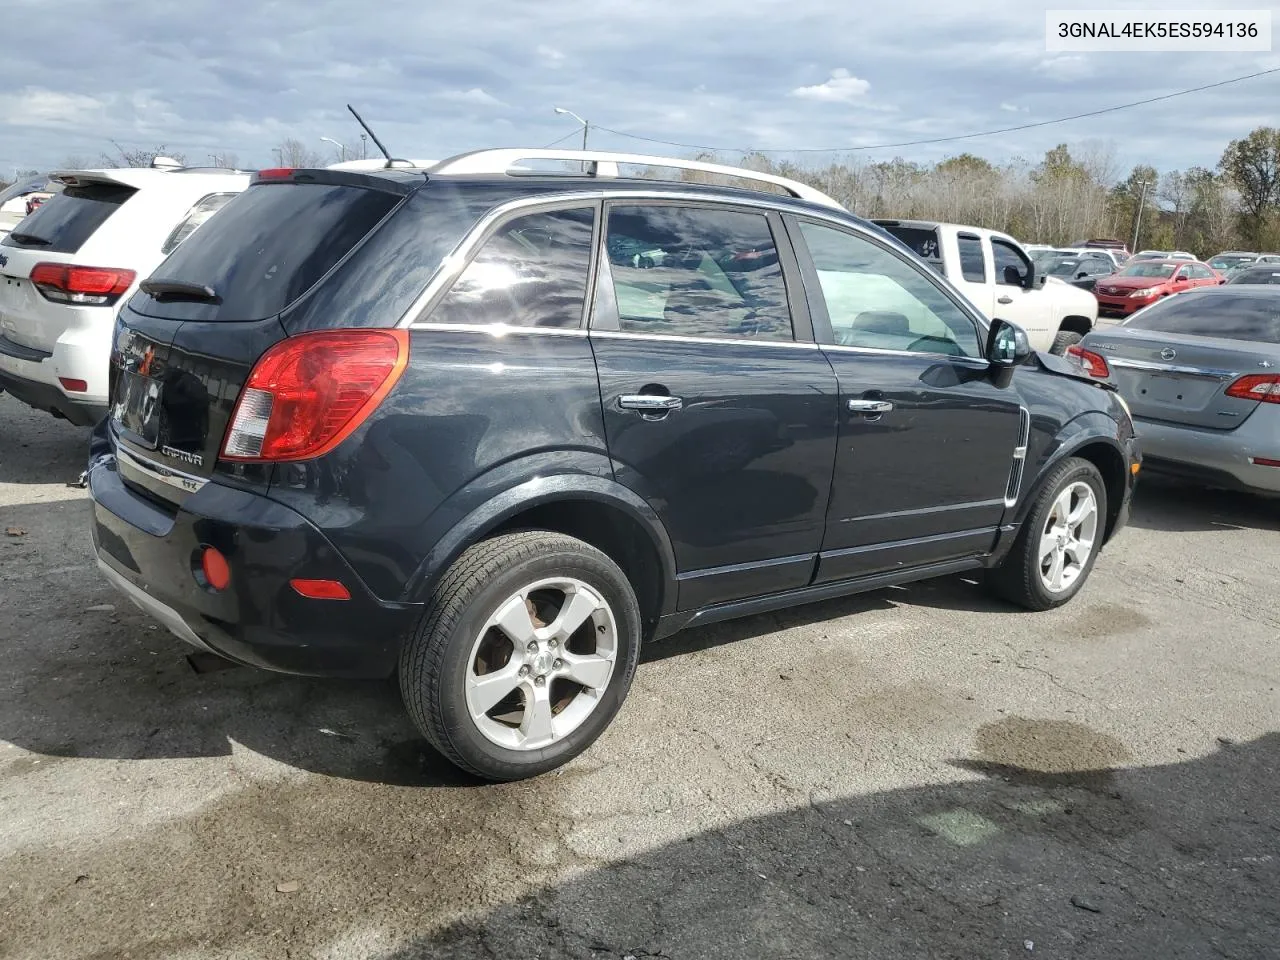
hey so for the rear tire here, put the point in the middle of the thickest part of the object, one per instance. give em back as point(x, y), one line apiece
point(1059, 542)
point(1065, 339)
point(524, 654)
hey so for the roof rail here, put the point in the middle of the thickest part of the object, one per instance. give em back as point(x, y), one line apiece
point(602, 164)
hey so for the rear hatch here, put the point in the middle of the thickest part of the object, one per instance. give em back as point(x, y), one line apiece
point(53, 234)
point(1178, 360)
point(187, 341)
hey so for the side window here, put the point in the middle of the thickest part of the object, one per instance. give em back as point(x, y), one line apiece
point(1200, 273)
point(973, 260)
point(696, 272)
point(531, 273)
point(877, 299)
point(1007, 255)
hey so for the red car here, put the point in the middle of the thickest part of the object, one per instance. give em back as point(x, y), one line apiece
point(1146, 281)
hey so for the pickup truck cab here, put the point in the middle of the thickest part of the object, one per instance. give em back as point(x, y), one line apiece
point(998, 276)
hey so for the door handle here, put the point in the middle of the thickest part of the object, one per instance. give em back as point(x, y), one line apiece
point(649, 402)
point(1005, 300)
point(870, 406)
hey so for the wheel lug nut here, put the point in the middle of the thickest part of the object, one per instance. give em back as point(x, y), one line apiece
point(558, 664)
point(541, 681)
point(524, 671)
point(554, 642)
point(533, 646)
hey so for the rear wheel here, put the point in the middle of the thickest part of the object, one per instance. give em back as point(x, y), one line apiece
point(1059, 541)
point(524, 656)
point(1065, 339)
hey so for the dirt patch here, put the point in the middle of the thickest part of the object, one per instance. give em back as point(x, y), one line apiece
point(1047, 746)
point(1107, 620)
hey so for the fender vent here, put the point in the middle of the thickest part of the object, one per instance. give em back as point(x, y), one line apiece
point(1019, 458)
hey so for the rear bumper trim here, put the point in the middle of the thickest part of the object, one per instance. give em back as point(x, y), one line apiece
point(20, 352)
point(149, 604)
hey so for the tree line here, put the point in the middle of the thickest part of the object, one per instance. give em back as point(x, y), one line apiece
point(1067, 196)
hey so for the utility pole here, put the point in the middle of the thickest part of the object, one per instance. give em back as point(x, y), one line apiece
point(585, 125)
point(364, 146)
point(1137, 220)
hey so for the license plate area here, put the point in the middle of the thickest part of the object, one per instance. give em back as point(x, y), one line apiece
point(1184, 392)
point(137, 408)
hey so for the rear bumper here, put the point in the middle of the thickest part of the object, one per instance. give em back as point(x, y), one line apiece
point(50, 397)
point(1216, 458)
point(150, 552)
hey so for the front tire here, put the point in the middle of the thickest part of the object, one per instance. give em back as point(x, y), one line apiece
point(524, 655)
point(1059, 541)
point(1064, 340)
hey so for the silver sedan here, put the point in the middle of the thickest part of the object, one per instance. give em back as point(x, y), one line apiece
point(1201, 374)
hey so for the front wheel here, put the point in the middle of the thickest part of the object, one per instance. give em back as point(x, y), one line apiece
point(525, 654)
point(1064, 340)
point(1059, 541)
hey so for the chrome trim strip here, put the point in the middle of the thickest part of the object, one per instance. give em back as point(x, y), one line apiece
point(729, 341)
point(913, 542)
point(1207, 372)
point(185, 482)
point(745, 567)
point(921, 511)
point(497, 329)
point(149, 604)
point(1019, 465)
point(975, 362)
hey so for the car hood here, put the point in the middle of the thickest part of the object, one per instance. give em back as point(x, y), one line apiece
point(1132, 283)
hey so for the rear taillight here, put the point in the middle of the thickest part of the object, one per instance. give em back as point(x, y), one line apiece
point(1257, 386)
point(1093, 364)
point(310, 392)
point(275, 173)
point(83, 286)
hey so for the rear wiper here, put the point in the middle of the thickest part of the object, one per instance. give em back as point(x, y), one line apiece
point(29, 239)
point(163, 289)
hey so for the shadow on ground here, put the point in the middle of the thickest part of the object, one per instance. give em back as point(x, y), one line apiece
point(1170, 506)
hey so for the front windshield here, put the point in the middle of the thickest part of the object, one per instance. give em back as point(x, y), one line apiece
point(1157, 270)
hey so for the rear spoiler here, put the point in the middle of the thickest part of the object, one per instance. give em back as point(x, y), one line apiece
point(123, 176)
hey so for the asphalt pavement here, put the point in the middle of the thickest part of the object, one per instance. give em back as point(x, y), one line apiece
point(917, 772)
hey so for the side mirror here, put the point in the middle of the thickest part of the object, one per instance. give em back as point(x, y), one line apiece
point(1007, 345)
point(1013, 276)
point(1082, 274)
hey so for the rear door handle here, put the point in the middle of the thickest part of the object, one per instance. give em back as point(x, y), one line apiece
point(650, 402)
point(870, 406)
point(1005, 300)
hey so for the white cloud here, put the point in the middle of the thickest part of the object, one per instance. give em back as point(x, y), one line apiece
point(476, 96)
point(1065, 68)
point(38, 107)
point(841, 88)
point(1012, 108)
point(550, 56)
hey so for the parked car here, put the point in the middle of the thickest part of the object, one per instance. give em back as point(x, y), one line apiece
point(1201, 373)
point(994, 272)
point(1254, 273)
point(67, 267)
point(1143, 282)
point(16, 199)
point(438, 443)
point(1082, 272)
point(1230, 259)
point(1045, 255)
point(1118, 247)
point(1163, 255)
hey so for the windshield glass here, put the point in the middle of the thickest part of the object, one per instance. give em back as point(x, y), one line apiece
point(1156, 270)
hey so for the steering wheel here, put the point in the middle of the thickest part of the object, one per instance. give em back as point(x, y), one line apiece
point(935, 345)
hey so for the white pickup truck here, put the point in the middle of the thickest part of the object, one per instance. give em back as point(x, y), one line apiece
point(997, 275)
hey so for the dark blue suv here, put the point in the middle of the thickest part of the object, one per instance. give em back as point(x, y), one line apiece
point(494, 428)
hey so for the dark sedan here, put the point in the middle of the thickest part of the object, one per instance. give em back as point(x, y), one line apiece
point(1262, 273)
point(1082, 272)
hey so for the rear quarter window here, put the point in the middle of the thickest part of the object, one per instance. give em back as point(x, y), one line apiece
point(921, 241)
point(64, 222)
point(267, 247)
point(1251, 318)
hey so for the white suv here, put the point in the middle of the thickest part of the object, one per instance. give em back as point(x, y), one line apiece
point(66, 267)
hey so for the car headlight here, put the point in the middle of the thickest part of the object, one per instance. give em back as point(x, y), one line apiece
point(1146, 292)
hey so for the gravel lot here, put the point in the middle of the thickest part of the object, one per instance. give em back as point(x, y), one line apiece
point(917, 772)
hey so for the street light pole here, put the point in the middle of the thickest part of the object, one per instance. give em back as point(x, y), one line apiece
point(342, 147)
point(364, 146)
point(1137, 220)
point(585, 125)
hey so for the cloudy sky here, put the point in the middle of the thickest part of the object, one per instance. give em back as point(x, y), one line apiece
point(437, 78)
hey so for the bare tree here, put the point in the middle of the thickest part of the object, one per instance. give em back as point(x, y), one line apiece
point(294, 153)
point(139, 157)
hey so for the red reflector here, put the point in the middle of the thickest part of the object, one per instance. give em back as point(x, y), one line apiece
point(93, 281)
point(1256, 386)
point(1094, 364)
point(1265, 461)
point(321, 589)
point(75, 386)
point(310, 392)
point(276, 173)
point(216, 570)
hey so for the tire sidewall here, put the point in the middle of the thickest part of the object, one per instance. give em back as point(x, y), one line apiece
point(602, 575)
point(1064, 340)
point(1081, 471)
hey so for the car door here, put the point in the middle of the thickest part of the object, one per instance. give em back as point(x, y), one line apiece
point(720, 410)
point(975, 272)
point(1030, 308)
point(927, 441)
point(1201, 276)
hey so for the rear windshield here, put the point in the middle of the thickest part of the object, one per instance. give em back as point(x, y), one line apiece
point(64, 222)
point(1251, 318)
point(269, 245)
point(921, 241)
point(1258, 275)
